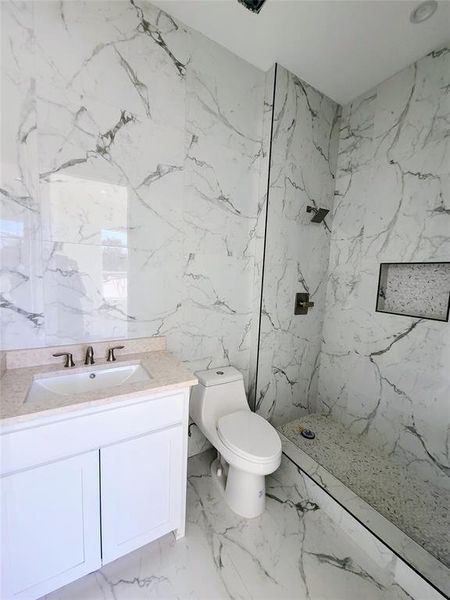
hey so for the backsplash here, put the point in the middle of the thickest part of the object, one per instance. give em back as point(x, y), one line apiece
point(37, 357)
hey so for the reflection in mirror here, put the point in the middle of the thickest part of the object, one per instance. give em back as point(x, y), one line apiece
point(86, 225)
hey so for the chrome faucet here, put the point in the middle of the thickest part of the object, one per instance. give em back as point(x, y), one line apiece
point(89, 359)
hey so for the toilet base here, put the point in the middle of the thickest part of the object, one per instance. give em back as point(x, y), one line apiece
point(245, 493)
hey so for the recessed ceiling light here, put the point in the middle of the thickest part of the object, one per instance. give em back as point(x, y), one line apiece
point(423, 11)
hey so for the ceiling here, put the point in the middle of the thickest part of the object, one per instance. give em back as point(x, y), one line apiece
point(341, 47)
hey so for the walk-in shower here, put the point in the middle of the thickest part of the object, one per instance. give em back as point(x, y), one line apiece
point(367, 369)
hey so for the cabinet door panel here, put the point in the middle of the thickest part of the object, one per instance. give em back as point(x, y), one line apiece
point(141, 483)
point(50, 526)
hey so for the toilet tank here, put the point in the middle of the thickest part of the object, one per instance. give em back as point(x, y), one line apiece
point(219, 391)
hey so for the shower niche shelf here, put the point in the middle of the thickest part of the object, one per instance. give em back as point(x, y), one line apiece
point(415, 290)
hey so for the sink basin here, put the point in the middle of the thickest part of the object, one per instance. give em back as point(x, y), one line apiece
point(87, 381)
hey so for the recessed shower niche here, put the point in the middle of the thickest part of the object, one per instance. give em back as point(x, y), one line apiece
point(415, 290)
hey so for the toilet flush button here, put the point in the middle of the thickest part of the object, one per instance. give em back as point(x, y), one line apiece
point(219, 372)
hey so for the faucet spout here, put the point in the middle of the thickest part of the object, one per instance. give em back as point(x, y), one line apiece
point(89, 360)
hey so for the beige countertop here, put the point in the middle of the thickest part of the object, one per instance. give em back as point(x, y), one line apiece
point(166, 373)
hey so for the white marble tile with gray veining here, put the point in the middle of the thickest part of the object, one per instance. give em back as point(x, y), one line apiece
point(138, 158)
point(386, 376)
point(304, 145)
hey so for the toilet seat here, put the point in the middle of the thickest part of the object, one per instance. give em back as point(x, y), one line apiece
point(249, 436)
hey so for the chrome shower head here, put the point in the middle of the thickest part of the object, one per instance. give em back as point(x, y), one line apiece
point(319, 213)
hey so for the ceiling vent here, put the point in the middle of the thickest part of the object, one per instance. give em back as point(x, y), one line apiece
point(253, 5)
point(423, 11)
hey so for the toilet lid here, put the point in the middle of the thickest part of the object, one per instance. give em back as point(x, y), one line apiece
point(249, 435)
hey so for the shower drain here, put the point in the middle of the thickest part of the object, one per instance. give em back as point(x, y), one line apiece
point(308, 434)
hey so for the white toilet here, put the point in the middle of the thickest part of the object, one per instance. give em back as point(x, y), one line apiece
point(248, 447)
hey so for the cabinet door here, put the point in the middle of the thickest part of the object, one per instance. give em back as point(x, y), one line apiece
point(50, 526)
point(141, 483)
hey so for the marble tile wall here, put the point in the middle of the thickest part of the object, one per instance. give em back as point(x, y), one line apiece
point(387, 377)
point(304, 147)
point(222, 206)
point(216, 324)
point(131, 150)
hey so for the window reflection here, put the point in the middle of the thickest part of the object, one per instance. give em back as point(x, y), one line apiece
point(114, 237)
point(91, 218)
point(11, 228)
point(87, 211)
point(115, 273)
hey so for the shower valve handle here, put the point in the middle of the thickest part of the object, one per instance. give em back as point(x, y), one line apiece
point(306, 304)
point(302, 303)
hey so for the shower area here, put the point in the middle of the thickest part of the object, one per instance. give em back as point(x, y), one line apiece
point(354, 339)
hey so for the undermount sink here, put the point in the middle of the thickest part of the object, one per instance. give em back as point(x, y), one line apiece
point(86, 381)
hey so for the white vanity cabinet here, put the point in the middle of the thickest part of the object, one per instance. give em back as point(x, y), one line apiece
point(141, 490)
point(83, 488)
point(50, 517)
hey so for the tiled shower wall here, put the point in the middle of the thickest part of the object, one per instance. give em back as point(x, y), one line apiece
point(387, 377)
point(304, 148)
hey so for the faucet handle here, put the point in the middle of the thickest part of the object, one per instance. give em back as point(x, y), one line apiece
point(69, 359)
point(111, 355)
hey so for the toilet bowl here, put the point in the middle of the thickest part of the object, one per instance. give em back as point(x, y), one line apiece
point(248, 447)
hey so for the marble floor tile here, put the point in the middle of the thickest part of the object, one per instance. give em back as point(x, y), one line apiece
point(415, 507)
point(292, 551)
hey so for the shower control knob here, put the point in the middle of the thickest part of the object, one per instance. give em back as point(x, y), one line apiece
point(302, 303)
point(306, 304)
point(319, 213)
